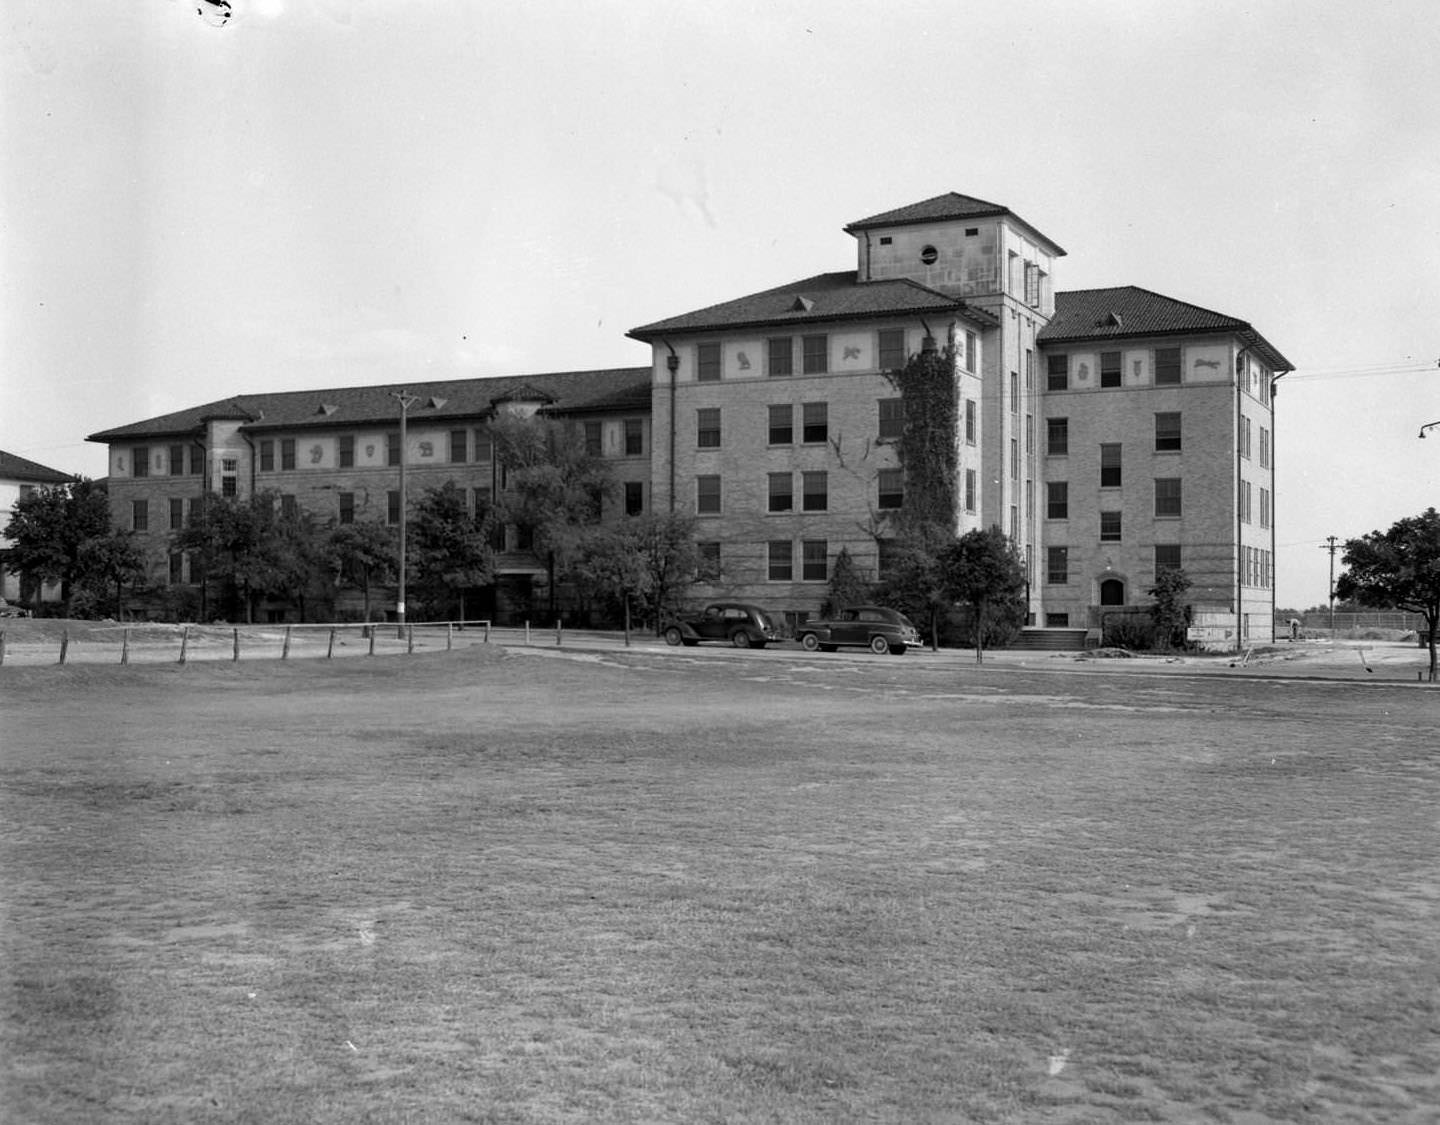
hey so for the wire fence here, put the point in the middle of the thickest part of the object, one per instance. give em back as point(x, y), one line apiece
point(181, 644)
point(1318, 622)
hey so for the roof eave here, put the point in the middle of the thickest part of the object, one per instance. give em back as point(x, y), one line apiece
point(647, 334)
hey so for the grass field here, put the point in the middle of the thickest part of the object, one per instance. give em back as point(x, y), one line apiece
point(501, 886)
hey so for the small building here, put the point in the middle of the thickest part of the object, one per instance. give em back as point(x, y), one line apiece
point(20, 477)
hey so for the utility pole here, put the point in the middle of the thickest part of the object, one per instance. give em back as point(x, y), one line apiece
point(1331, 547)
point(406, 401)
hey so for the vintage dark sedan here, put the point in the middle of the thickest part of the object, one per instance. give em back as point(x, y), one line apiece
point(863, 626)
point(741, 624)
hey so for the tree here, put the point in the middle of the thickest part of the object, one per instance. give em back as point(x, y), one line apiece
point(248, 543)
point(1169, 613)
point(115, 560)
point(847, 586)
point(554, 489)
point(643, 561)
point(362, 555)
point(983, 570)
point(449, 547)
point(916, 582)
point(53, 531)
point(1397, 569)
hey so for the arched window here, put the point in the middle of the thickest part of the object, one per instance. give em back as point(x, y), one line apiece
point(1112, 592)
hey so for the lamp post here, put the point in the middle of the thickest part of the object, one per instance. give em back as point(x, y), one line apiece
point(406, 401)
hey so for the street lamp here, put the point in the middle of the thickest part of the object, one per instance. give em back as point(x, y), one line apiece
point(406, 401)
point(1428, 426)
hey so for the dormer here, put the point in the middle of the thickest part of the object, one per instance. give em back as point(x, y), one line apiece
point(961, 246)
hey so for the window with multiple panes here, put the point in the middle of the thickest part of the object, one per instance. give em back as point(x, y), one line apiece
point(816, 354)
point(1057, 500)
point(1167, 557)
point(892, 349)
point(177, 513)
point(707, 363)
point(1029, 369)
point(707, 495)
point(781, 554)
point(1110, 465)
point(1167, 432)
point(1057, 436)
point(177, 460)
point(140, 515)
point(970, 490)
point(707, 561)
point(288, 508)
point(1244, 437)
point(892, 418)
point(634, 497)
point(1014, 458)
point(1109, 369)
point(267, 456)
point(485, 444)
point(891, 486)
point(782, 424)
point(1245, 502)
point(1057, 566)
point(140, 461)
point(1264, 507)
point(392, 448)
point(347, 507)
point(1264, 448)
point(782, 492)
point(392, 507)
point(1014, 392)
point(814, 422)
point(780, 353)
point(972, 351)
point(229, 485)
point(634, 437)
point(287, 453)
point(1057, 373)
point(1167, 367)
point(1057, 620)
point(707, 427)
point(1167, 497)
point(887, 558)
point(345, 443)
point(459, 446)
point(970, 423)
point(814, 491)
point(593, 433)
point(1109, 527)
point(813, 564)
point(1029, 434)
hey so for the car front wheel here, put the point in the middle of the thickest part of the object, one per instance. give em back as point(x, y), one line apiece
point(673, 636)
point(879, 645)
point(740, 638)
point(810, 642)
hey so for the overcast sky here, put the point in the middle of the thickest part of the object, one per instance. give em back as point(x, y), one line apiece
point(325, 193)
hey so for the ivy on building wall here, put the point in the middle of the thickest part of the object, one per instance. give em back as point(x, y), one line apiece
point(928, 450)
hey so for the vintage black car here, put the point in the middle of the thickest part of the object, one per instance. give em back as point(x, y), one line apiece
point(741, 624)
point(867, 626)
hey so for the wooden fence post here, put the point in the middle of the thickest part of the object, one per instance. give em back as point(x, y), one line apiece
point(236, 644)
point(372, 641)
point(125, 647)
point(409, 638)
point(2, 646)
point(330, 648)
point(285, 648)
point(449, 635)
point(64, 645)
point(184, 642)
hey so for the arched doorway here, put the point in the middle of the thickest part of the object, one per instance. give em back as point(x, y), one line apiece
point(1112, 592)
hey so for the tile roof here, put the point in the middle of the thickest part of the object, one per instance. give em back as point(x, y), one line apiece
point(613, 389)
point(951, 205)
point(826, 296)
point(30, 472)
point(1129, 311)
point(945, 208)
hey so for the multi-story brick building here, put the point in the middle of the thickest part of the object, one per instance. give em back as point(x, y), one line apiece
point(336, 454)
point(1107, 432)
